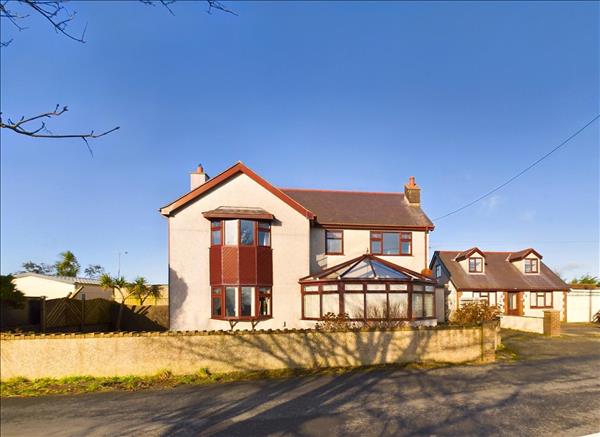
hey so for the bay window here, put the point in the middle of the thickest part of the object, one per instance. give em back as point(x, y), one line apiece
point(240, 233)
point(241, 302)
point(391, 243)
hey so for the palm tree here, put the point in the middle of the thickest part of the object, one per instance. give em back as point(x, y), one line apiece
point(120, 286)
point(142, 290)
point(67, 265)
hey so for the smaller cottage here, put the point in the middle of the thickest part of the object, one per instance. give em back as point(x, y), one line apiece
point(518, 282)
point(55, 287)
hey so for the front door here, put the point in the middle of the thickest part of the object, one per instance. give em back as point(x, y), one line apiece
point(513, 305)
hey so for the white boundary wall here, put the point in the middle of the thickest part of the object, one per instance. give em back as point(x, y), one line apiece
point(582, 305)
point(523, 323)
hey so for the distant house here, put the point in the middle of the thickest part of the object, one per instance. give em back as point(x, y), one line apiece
point(53, 287)
point(243, 251)
point(518, 282)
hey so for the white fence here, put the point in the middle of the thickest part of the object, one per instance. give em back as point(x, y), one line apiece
point(522, 323)
point(582, 305)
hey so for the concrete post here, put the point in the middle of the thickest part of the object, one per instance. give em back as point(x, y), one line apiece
point(552, 323)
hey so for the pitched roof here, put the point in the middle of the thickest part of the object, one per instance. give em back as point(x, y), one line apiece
point(367, 209)
point(234, 170)
point(65, 279)
point(367, 267)
point(499, 275)
point(516, 256)
point(467, 253)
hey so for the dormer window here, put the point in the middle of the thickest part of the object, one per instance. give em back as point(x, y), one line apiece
point(531, 265)
point(475, 265)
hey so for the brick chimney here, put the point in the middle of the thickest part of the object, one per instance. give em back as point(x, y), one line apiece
point(412, 192)
point(198, 178)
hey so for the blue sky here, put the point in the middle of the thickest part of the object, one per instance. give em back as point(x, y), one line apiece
point(333, 95)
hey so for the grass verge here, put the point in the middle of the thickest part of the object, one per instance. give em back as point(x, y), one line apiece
point(22, 387)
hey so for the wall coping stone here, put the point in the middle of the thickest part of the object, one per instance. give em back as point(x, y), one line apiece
point(59, 336)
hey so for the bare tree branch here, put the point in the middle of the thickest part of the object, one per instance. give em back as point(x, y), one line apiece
point(22, 127)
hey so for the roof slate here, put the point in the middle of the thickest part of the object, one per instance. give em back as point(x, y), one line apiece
point(360, 208)
point(500, 274)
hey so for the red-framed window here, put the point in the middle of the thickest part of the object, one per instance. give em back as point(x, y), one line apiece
point(531, 265)
point(240, 232)
point(391, 243)
point(241, 302)
point(216, 232)
point(541, 299)
point(334, 242)
point(216, 302)
point(368, 301)
point(482, 295)
point(264, 234)
point(475, 264)
point(265, 302)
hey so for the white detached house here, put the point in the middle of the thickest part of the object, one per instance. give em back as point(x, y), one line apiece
point(243, 252)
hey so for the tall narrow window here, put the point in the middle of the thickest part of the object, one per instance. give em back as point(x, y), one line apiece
point(334, 242)
point(215, 232)
point(247, 301)
point(231, 302)
point(406, 243)
point(264, 234)
point(217, 302)
point(247, 232)
point(475, 265)
point(264, 302)
point(231, 232)
point(531, 265)
point(438, 271)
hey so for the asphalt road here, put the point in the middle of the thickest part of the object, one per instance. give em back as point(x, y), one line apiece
point(553, 390)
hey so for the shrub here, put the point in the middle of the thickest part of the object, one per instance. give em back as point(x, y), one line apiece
point(475, 312)
point(386, 320)
point(336, 322)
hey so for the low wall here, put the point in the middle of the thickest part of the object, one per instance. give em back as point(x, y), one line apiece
point(522, 323)
point(38, 356)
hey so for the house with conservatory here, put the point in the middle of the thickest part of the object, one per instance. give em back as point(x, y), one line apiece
point(519, 283)
point(243, 252)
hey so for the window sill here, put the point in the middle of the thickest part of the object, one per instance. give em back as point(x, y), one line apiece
point(241, 319)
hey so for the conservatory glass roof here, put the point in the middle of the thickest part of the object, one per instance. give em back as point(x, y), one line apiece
point(369, 267)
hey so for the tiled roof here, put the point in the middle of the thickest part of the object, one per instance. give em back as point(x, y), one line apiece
point(65, 279)
point(500, 274)
point(360, 208)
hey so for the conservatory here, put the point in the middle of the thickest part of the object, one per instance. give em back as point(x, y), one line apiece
point(369, 288)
